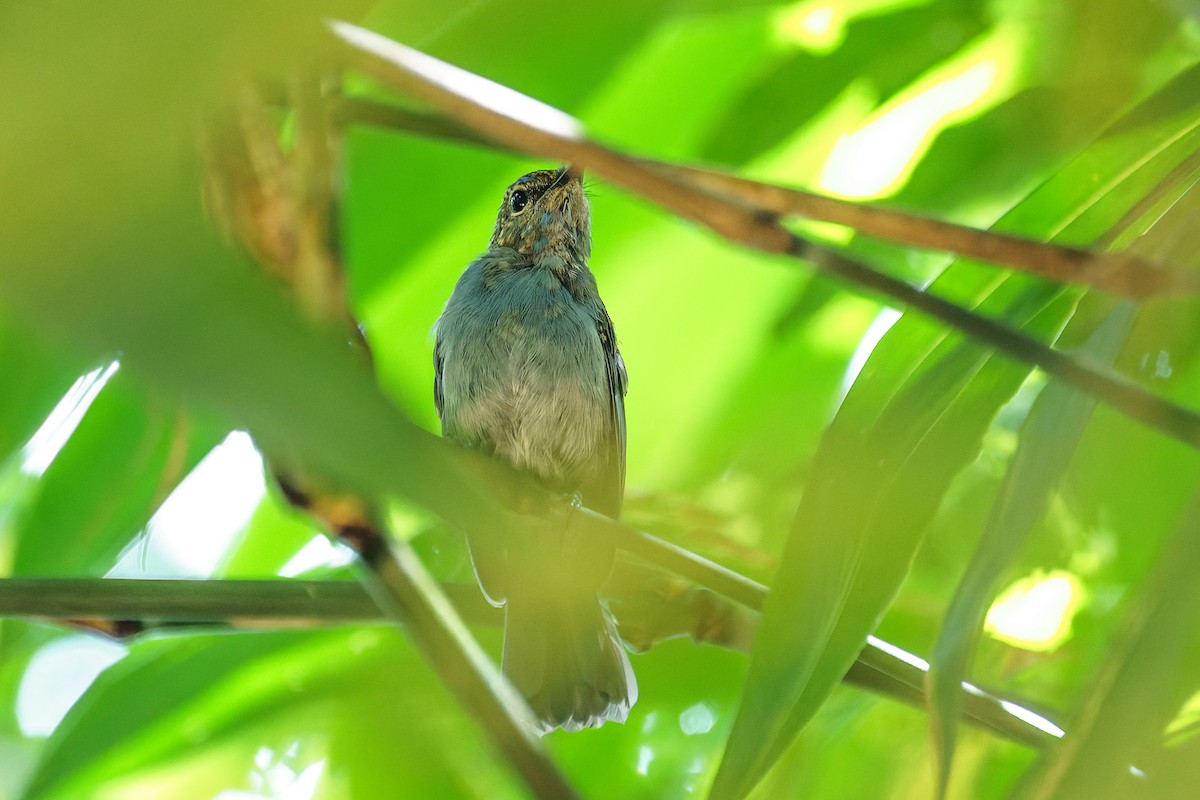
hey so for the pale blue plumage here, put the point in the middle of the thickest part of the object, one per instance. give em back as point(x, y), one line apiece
point(527, 369)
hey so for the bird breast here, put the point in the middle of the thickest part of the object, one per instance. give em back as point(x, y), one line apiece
point(523, 373)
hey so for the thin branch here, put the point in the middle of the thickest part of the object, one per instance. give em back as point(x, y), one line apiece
point(483, 106)
point(1122, 274)
point(706, 573)
point(1172, 419)
point(365, 111)
point(403, 589)
point(906, 677)
point(649, 606)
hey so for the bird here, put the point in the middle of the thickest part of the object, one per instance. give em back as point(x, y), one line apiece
point(527, 370)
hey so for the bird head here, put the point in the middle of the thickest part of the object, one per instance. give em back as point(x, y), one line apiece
point(546, 213)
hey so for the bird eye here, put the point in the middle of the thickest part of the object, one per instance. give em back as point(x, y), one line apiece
point(518, 201)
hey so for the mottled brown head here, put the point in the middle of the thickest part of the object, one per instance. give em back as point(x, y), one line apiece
point(546, 213)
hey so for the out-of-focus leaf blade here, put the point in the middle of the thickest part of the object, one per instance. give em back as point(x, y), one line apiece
point(877, 480)
point(35, 377)
point(201, 686)
point(367, 690)
point(1117, 731)
point(389, 702)
point(770, 109)
point(1048, 440)
point(911, 421)
point(127, 454)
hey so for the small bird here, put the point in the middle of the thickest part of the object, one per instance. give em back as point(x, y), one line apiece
point(527, 370)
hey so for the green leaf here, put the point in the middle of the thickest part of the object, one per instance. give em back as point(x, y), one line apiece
point(35, 378)
point(127, 454)
point(912, 420)
point(1116, 736)
point(168, 696)
point(1047, 442)
point(769, 109)
point(858, 526)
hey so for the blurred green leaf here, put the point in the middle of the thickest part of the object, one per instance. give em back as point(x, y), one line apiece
point(395, 732)
point(1047, 442)
point(36, 377)
point(198, 686)
point(1154, 666)
point(914, 417)
point(374, 686)
point(210, 687)
point(771, 108)
point(125, 457)
point(873, 489)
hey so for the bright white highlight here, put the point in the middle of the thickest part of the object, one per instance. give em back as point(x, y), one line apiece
point(1035, 612)
point(1036, 720)
point(895, 652)
point(489, 94)
point(817, 21)
point(275, 778)
point(645, 756)
point(57, 676)
point(49, 439)
point(816, 26)
point(876, 159)
point(696, 720)
point(320, 552)
point(194, 527)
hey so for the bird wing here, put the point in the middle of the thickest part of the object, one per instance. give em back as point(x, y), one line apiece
point(439, 399)
point(612, 489)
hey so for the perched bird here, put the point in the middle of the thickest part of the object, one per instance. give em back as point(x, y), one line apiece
point(527, 370)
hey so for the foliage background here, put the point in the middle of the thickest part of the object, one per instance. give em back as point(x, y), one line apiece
point(1052, 120)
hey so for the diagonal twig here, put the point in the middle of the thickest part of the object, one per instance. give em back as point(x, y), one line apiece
point(480, 105)
point(404, 590)
point(1119, 273)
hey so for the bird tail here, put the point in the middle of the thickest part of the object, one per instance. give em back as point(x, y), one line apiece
point(564, 654)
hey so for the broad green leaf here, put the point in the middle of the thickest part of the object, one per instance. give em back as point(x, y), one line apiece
point(275, 533)
point(769, 110)
point(1116, 735)
point(36, 377)
point(913, 419)
point(885, 476)
point(370, 703)
point(360, 698)
point(127, 454)
point(1047, 443)
point(394, 732)
point(200, 683)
